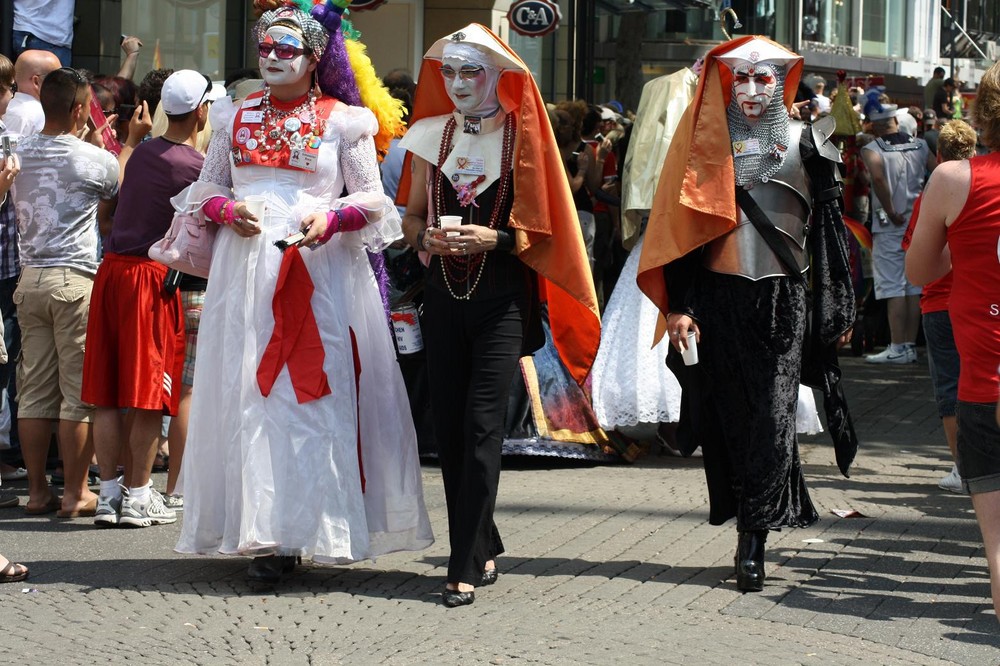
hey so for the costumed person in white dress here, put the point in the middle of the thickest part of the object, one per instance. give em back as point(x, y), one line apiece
point(300, 443)
point(482, 149)
point(633, 390)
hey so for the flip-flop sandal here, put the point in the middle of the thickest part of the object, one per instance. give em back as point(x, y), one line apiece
point(88, 510)
point(12, 574)
point(54, 504)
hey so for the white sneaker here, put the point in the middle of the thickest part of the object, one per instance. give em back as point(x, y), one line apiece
point(952, 481)
point(153, 512)
point(897, 356)
point(175, 502)
point(108, 512)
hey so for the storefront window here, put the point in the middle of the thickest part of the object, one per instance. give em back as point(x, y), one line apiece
point(759, 17)
point(883, 28)
point(180, 34)
point(828, 22)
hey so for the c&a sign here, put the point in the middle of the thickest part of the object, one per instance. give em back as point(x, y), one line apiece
point(534, 18)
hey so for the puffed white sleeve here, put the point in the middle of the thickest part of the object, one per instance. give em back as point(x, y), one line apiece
point(359, 164)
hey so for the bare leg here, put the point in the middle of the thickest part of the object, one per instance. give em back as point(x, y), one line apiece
point(142, 442)
point(177, 438)
point(987, 507)
point(35, 437)
point(950, 425)
point(76, 454)
point(898, 321)
point(912, 318)
point(107, 441)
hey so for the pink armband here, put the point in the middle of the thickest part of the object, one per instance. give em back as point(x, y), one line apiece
point(349, 218)
point(220, 210)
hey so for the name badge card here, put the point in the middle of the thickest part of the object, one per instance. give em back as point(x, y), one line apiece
point(470, 166)
point(304, 158)
point(251, 102)
point(252, 117)
point(745, 148)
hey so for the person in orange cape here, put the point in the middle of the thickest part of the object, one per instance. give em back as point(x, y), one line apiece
point(742, 220)
point(482, 151)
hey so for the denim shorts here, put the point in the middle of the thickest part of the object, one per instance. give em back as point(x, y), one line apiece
point(942, 356)
point(978, 446)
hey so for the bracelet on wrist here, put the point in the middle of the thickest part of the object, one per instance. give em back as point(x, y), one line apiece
point(421, 237)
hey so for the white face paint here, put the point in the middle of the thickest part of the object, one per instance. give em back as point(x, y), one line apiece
point(753, 88)
point(278, 72)
point(473, 92)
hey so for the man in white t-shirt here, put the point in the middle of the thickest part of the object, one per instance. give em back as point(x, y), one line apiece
point(24, 115)
point(46, 25)
point(64, 186)
point(819, 85)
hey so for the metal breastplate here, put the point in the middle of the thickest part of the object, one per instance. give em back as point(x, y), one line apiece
point(786, 201)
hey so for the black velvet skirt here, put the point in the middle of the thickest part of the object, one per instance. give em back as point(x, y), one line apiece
point(750, 354)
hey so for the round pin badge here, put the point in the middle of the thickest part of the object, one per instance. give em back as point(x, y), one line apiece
point(242, 134)
point(293, 124)
point(252, 144)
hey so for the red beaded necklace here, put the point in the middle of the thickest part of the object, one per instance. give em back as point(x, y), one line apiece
point(459, 269)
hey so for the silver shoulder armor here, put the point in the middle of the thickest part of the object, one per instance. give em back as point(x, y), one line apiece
point(822, 132)
point(787, 202)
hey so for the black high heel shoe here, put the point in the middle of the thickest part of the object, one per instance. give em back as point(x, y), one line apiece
point(454, 598)
point(490, 576)
point(749, 561)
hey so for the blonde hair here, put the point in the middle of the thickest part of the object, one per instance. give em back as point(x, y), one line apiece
point(986, 108)
point(956, 141)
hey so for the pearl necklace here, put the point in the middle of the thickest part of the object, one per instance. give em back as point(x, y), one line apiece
point(280, 129)
point(460, 269)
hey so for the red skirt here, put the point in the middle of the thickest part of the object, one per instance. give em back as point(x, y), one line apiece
point(134, 354)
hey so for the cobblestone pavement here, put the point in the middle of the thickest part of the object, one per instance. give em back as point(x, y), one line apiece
point(607, 564)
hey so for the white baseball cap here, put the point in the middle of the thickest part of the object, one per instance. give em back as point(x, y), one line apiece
point(184, 91)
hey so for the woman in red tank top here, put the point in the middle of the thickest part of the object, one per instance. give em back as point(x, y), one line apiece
point(959, 228)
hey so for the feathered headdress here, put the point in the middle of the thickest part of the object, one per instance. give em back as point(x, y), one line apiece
point(874, 109)
point(345, 71)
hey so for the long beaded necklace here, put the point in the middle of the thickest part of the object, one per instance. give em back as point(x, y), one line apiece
point(459, 269)
point(280, 129)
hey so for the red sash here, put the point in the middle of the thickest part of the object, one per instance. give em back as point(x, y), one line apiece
point(247, 139)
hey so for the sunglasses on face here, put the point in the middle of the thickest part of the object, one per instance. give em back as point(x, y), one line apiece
point(465, 73)
point(12, 87)
point(283, 51)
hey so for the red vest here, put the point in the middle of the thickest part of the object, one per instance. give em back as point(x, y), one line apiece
point(248, 132)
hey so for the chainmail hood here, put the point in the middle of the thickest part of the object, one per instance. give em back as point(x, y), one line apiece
point(770, 133)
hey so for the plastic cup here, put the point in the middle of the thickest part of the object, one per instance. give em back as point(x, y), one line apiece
point(451, 222)
point(256, 205)
point(690, 355)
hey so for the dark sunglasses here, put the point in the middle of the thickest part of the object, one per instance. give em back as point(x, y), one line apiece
point(283, 51)
point(124, 111)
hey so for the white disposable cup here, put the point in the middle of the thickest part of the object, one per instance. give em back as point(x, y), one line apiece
point(451, 222)
point(256, 205)
point(690, 355)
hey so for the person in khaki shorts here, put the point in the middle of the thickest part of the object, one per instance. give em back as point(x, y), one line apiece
point(64, 186)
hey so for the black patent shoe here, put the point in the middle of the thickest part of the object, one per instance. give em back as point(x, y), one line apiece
point(490, 576)
point(750, 561)
point(454, 598)
point(268, 569)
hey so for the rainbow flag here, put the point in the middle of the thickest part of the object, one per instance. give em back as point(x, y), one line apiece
point(860, 232)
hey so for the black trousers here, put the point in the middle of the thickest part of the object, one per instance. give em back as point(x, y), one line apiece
point(472, 349)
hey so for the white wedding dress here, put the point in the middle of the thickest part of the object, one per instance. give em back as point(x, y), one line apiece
point(269, 475)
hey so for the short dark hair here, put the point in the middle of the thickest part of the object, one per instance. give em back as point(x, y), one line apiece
point(949, 82)
point(150, 86)
point(939, 71)
point(62, 89)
